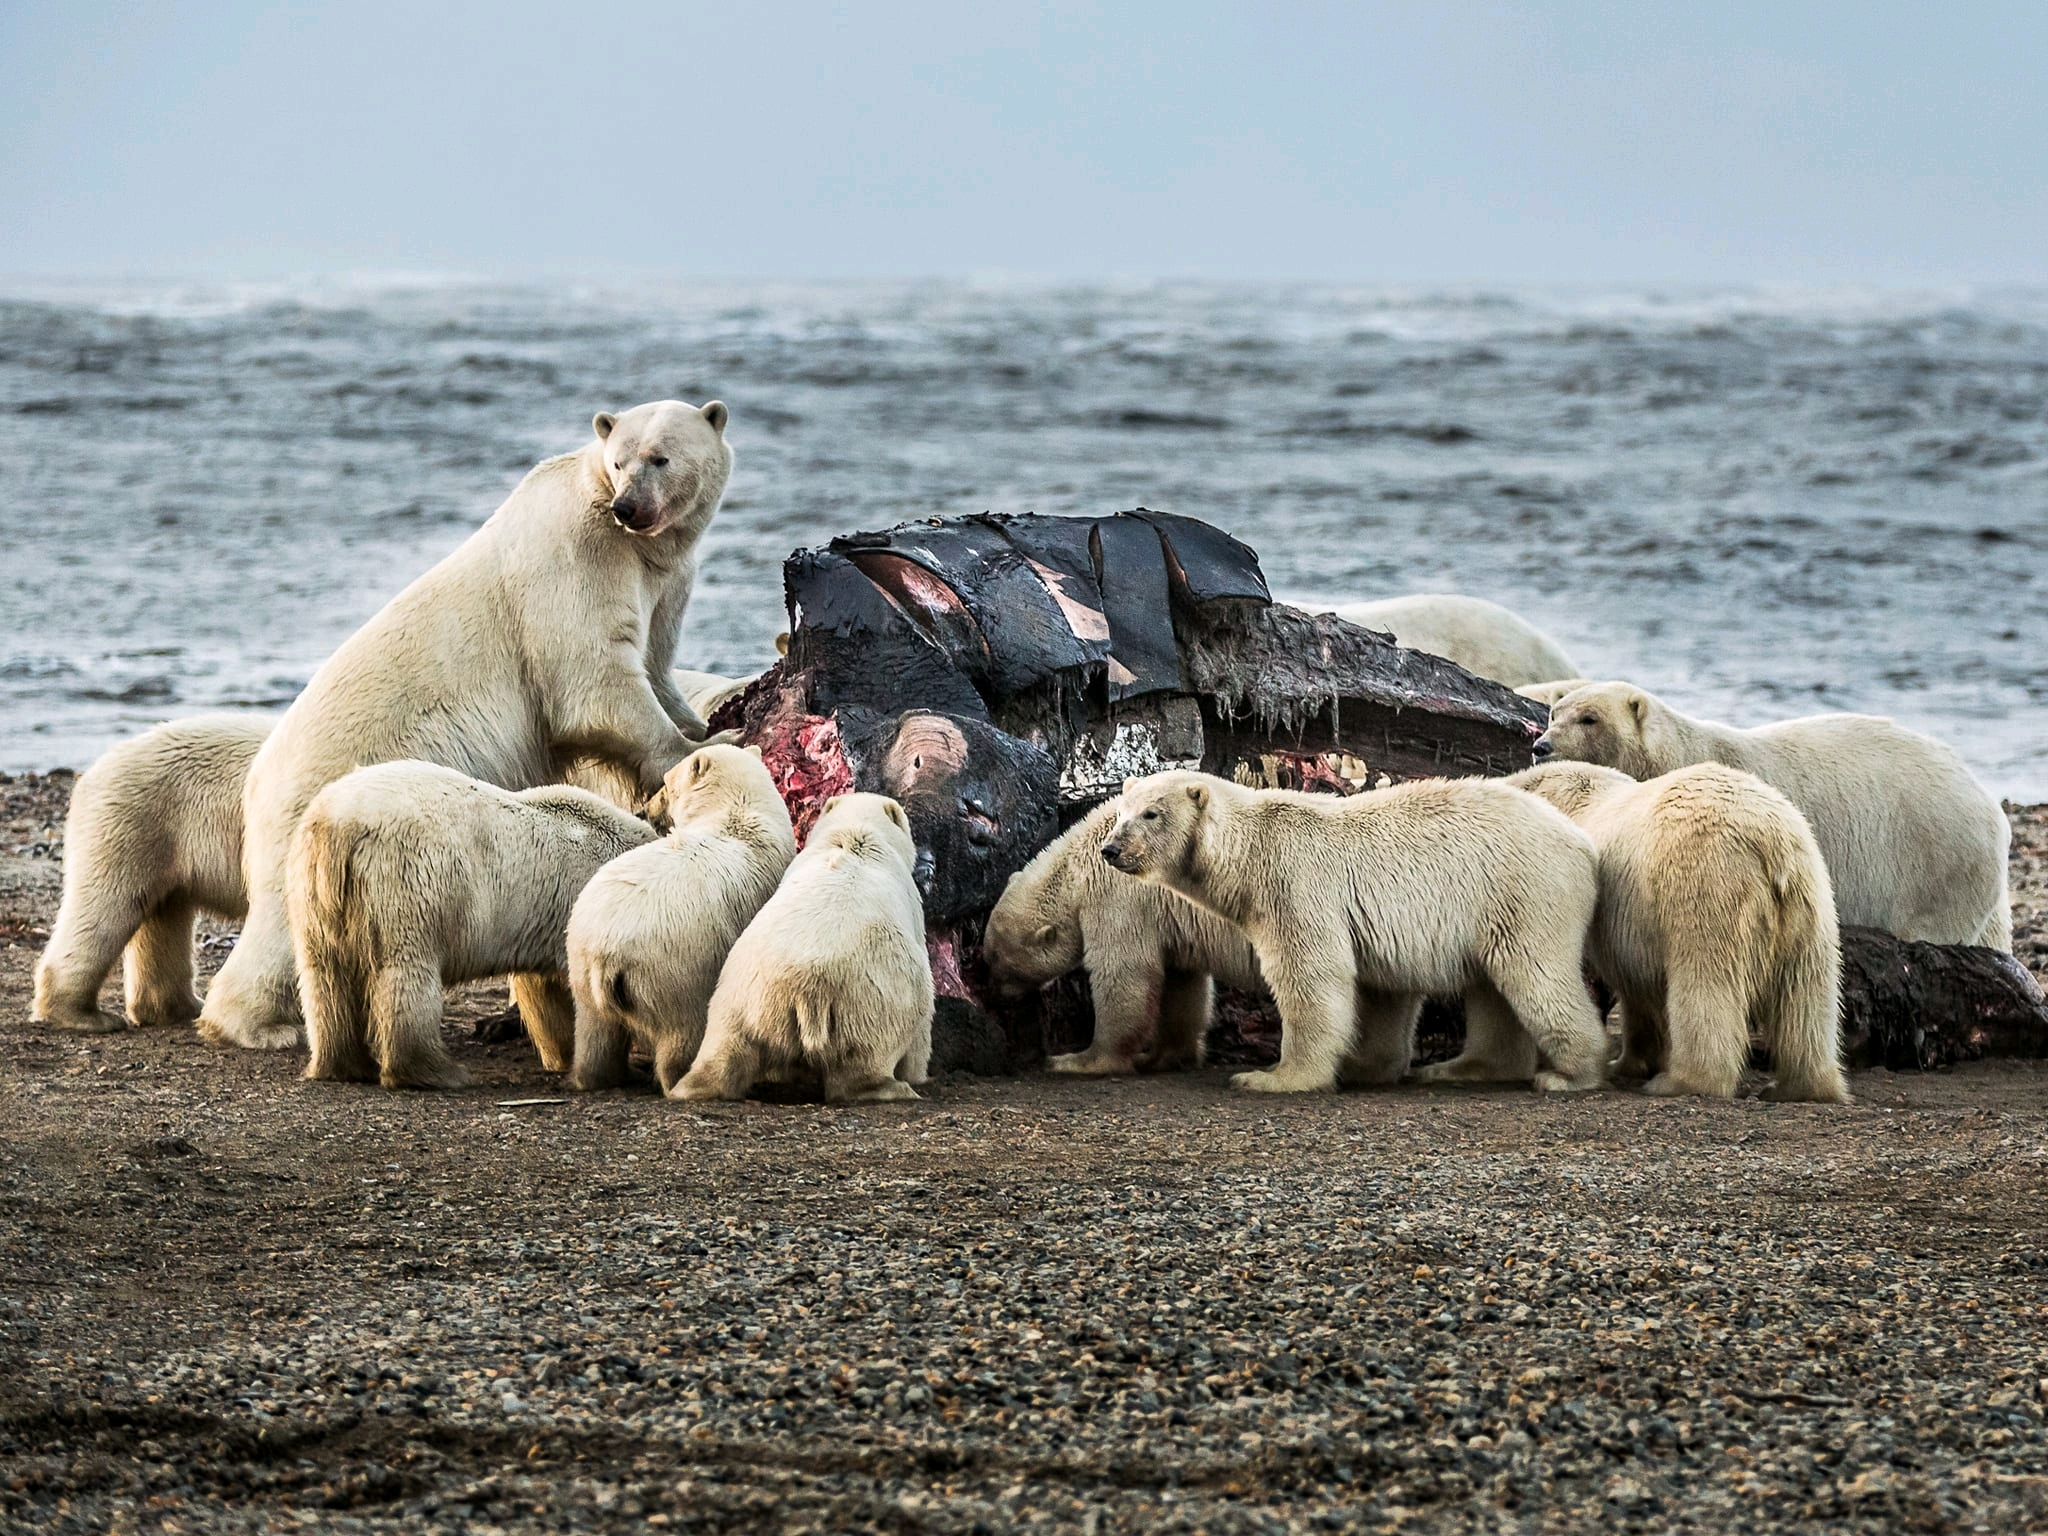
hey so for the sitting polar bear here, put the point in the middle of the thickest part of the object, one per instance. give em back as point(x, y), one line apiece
point(831, 976)
point(152, 838)
point(1484, 638)
point(1913, 843)
point(651, 931)
point(1715, 912)
point(1360, 907)
point(407, 877)
point(1150, 954)
point(544, 639)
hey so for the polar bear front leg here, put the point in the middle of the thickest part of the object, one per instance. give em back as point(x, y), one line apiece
point(1383, 1039)
point(1316, 1023)
point(614, 714)
point(1126, 997)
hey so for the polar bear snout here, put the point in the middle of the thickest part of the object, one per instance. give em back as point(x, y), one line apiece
point(1113, 854)
point(633, 516)
point(1542, 747)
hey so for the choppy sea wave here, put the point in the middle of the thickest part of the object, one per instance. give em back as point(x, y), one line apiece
point(1759, 502)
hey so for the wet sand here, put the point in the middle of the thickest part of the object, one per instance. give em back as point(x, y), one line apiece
point(232, 1300)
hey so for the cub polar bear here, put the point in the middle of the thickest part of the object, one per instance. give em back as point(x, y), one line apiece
point(649, 933)
point(1714, 911)
point(1360, 907)
point(543, 639)
point(407, 877)
point(831, 976)
point(1149, 953)
point(1914, 845)
point(153, 837)
point(1484, 638)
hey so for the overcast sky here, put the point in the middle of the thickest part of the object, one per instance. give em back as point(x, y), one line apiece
point(1426, 140)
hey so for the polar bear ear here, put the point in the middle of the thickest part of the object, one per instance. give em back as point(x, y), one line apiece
point(782, 643)
point(603, 422)
point(1639, 706)
point(714, 411)
point(830, 803)
point(895, 813)
point(1199, 793)
point(1129, 785)
point(1046, 934)
point(754, 751)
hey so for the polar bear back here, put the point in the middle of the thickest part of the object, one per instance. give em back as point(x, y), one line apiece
point(1913, 844)
point(1484, 638)
point(443, 864)
point(169, 802)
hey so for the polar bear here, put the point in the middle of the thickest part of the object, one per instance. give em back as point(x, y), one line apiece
point(1914, 845)
point(544, 638)
point(1484, 638)
point(1715, 912)
point(650, 932)
point(407, 877)
point(1150, 954)
point(831, 976)
point(1359, 907)
point(153, 837)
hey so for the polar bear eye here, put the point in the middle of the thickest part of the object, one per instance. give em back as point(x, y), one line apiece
point(659, 461)
point(1151, 816)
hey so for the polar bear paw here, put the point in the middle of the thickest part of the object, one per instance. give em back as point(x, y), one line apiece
point(1557, 1082)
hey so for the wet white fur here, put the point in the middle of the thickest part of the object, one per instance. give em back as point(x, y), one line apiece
point(1914, 845)
point(1150, 954)
point(544, 639)
point(1715, 914)
point(407, 877)
point(1484, 638)
point(652, 930)
point(153, 837)
point(1360, 907)
point(831, 976)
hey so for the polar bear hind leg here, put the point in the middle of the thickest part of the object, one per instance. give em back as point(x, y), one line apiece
point(1497, 1048)
point(1316, 1025)
point(1708, 1041)
point(548, 1010)
point(405, 1028)
point(156, 967)
point(254, 1001)
point(85, 944)
point(1642, 1040)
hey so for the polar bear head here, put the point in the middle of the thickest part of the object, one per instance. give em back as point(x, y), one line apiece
point(711, 784)
point(1611, 724)
point(1034, 931)
point(1159, 832)
point(866, 826)
point(665, 463)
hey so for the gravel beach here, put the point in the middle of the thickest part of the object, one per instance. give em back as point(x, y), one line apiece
point(231, 1300)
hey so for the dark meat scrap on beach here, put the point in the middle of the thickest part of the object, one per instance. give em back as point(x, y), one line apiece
point(1002, 675)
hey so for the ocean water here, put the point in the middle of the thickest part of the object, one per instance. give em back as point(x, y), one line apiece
point(1758, 502)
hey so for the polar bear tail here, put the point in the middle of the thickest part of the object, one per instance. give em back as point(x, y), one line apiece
point(1802, 1011)
point(333, 984)
point(813, 1024)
